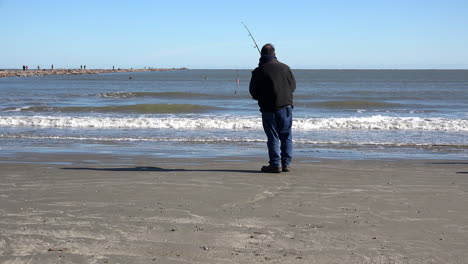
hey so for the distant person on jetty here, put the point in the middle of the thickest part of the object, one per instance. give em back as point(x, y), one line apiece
point(81, 66)
point(52, 67)
point(24, 67)
point(272, 85)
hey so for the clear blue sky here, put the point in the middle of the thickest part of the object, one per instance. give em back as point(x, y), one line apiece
point(209, 34)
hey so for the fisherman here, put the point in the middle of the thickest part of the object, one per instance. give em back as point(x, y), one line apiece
point(272, 85)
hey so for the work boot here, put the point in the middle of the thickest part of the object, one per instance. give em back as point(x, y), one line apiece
point(286, 169)
point(271, 169)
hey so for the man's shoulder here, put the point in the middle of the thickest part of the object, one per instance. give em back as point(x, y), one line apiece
point(275, 64)
point(257, 70)
point(278, 65)
point(283, 64)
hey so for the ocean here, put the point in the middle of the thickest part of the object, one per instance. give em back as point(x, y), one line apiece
point(346, 114)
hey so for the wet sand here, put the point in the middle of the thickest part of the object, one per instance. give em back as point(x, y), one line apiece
point(114, 209)
point(27, 73)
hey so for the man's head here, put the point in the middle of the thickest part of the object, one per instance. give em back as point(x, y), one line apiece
point(268, 49)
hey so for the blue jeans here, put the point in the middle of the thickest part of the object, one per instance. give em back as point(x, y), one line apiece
point(278, 129)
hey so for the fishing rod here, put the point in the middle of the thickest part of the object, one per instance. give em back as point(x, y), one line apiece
point(256, 46)
point(250, 34)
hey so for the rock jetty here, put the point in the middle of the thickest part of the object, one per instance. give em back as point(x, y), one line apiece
point(26, 73)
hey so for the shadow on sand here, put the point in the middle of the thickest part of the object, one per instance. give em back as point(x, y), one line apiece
point(150, 169)
point(450, 163)
point(453, 163)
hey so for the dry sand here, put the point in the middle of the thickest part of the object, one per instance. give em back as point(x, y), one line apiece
point(111, 209)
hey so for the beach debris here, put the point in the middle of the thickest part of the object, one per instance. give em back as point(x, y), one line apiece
point(57, 249)
point(314, 226)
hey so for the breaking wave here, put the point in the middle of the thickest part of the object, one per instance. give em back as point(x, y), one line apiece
point(377, 122)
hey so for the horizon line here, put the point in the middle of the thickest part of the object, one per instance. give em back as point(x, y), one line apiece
point(187, 68)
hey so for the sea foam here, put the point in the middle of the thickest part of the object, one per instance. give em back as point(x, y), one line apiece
point(377, 122)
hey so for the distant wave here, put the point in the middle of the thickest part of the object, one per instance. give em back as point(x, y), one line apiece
point(137, 108)
point(239, 123)
point(152, 94)
point(351, 104)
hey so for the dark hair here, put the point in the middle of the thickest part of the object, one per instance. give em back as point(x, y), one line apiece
point(268, 49)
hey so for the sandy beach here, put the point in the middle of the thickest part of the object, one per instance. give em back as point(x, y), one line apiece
point(72, 208)
point(27, 73)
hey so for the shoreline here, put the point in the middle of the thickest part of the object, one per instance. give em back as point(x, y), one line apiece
point(44, 72)
point(93, 208)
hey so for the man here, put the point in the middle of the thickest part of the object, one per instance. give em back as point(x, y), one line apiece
point(272, 85)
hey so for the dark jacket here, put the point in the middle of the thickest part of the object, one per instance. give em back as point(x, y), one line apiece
point(272, 84)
